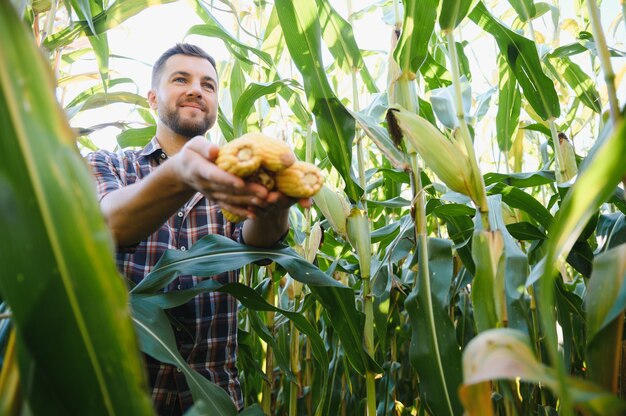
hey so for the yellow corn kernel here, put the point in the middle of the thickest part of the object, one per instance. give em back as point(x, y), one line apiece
point(240, 156)
point(275, 155)
point(229, 216)
point(263, 177)
point(300, 180)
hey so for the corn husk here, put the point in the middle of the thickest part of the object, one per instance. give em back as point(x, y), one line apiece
point(315, 239)
point(358, 228)
point(335, 209)
point(488, 286)
point(569, 170)
point(448, 158)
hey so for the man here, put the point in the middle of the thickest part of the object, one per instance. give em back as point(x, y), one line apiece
point(168, 196)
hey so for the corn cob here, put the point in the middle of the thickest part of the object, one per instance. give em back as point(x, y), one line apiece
point(300, 180)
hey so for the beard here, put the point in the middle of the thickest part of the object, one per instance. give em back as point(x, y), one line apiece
point(186, 127)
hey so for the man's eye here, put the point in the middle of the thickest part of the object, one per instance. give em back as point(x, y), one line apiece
point(179, 79)
point(209, 86)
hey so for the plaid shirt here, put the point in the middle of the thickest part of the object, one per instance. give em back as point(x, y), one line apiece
point(205, 327)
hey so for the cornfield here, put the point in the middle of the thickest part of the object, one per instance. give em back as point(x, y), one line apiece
point(467, 254)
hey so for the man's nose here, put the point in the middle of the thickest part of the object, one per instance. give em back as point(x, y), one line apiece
point(194, 89)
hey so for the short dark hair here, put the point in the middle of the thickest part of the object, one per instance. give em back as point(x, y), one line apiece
point(179, 49)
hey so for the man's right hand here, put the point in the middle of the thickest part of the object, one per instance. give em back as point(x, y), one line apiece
point(196, 168)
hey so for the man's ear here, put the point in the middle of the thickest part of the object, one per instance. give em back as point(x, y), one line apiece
point(152, 99)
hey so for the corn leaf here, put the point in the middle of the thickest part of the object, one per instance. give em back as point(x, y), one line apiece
point(136, 137)
point(509, 106)
point(434, 351)
point(453, 12)
point(516, 198)
point(581, 83)
point(522, 179)
point(522, 58)
point(101, 22)
point(594, 185)
point(515, 270)
point(216, 254)
point(103, 99)
point(339, 38)
point(525, 9)
point(417, 28)
point(157, 340)
point(300, 25)
point(273, 38)
point(213, 28)
point(253, 301)
point(605, 304)
point(246, 101)
point(60, 256)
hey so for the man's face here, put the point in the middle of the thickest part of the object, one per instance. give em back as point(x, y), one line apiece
point(185, 97)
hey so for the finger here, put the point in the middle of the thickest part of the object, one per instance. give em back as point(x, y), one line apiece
point(305, 202)
point(214, 178)
point(280, 200)
point(200, 145)
point(242, 201)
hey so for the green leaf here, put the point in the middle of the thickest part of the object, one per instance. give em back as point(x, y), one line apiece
point(339, 38)
point(300, 24)
point(157, 340)
point(580, 82)
point(86, 9)
point(517, 198)
point(605, 304)
point(526, 231)
point(434, 352)
point(103, 99)
point(103, 21)
point(515, 270)
point(523, 60)
point(213, 28)
point(611, 230)
point(246, 101)
point(453, 12)
point(58, 274)
point(136, 137)
point(251, 300)
point(435, 74)
point(100, 88)
point(216, 254)
point(417, 28)
point(273, 38)
point(525, 9)
point(594, 185)
point(520, 180)
point(235, 47)
point(509, 106)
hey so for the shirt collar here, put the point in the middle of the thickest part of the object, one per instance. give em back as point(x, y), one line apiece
point(152, 149)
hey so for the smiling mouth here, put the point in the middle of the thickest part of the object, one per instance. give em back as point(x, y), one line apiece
point(196, 106)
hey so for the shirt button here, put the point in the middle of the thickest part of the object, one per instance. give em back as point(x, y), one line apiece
point(163, 156)
point(183, 248)
point(179, 370)
point(180, 214)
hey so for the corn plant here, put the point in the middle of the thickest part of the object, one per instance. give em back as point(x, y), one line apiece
point(465, 255)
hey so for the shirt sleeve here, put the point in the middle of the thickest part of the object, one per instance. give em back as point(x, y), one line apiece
point(105, 168)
